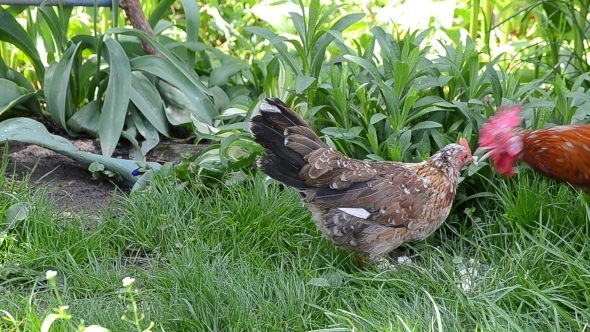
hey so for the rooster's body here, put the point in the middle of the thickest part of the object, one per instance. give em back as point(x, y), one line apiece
point(559, 152)
point(368, 207)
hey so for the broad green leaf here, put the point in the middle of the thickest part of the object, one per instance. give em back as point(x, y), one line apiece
point(224, 153)
point(220, 98)
point(202, 107)
point(401, 74)
point(313, 15)
point(372, 138)
point(426, 125)
point(319, 282)
point(582, 79)
point(56, 25)
point(578, 96)
point(9, 92)
point(177, 107)
point(157, 13)
point(420, 37)
point(299, 23)
point(57, 92)
point(496, 86)
point(432, 82)
point(438, 138)
point(318, 55)
point(230, 67)
point(14, 76)
point(423, 146)
point(279, 45)
point(15, 213)
point(146, 98)
point(145, 129)
point(27, 99)
point(377, 117)
point(169, 56)
point(388, 44)
point(232, 113)
point(87, 119)
point(368, 65)
point(162, 26)
point(12, 32)
point(193, 23)
point(209, 159)
point(30, 131)
point(96, 167)
point(347, 134)
point(423, 112)
point(116, 100)
point(302, 83)
point(130, 134)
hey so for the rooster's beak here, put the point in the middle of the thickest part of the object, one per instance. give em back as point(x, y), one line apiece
point(481, 150)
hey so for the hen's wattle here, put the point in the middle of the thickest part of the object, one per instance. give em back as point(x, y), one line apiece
point(368, 207)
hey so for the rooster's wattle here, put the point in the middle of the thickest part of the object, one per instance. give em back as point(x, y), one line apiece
point(368, 207)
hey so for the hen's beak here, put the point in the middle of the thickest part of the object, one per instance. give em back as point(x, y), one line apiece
point(486, 154)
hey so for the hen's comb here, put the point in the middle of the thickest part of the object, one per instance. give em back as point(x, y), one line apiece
point(464, 143)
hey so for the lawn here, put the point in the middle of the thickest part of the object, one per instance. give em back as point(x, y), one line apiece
point(247, 257)
point(375, 82)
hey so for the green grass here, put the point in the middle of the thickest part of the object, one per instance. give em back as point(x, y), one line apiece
point(248, 258)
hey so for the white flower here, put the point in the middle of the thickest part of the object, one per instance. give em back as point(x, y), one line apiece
point(94, 328)
point(128, 281)
point(404, 259)
point(50, 274)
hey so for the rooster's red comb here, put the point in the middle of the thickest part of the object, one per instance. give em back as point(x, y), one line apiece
point(505, 118)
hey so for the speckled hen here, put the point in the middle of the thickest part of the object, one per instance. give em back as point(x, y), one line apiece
point(368, 207)
point(559, 152)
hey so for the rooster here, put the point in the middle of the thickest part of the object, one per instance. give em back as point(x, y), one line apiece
point(370, 208)
point(559, 152)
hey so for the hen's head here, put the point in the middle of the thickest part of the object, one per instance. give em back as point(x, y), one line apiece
point(455, 155)
point(502, 139)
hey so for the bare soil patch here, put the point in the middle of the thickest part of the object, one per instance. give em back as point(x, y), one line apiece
point(71, 184)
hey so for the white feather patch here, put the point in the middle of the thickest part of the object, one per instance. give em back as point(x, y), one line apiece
point(357, 212)
point(264, 106)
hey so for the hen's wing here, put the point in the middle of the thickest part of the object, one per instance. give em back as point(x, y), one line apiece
point(384, 193)
point(561, 153)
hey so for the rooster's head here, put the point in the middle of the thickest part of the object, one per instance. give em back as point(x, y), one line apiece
point(501, 139)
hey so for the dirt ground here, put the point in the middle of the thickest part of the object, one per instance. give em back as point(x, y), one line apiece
point(72, 185)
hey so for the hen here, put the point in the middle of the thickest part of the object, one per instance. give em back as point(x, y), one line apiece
point(558, 152)
point(368, 207)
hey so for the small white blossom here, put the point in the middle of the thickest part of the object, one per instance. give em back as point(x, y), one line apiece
point(50, 274)
point(95, 328)
point(128, 281)
point(404, 259)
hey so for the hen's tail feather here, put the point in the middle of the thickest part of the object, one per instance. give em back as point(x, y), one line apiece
point(286, 139)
